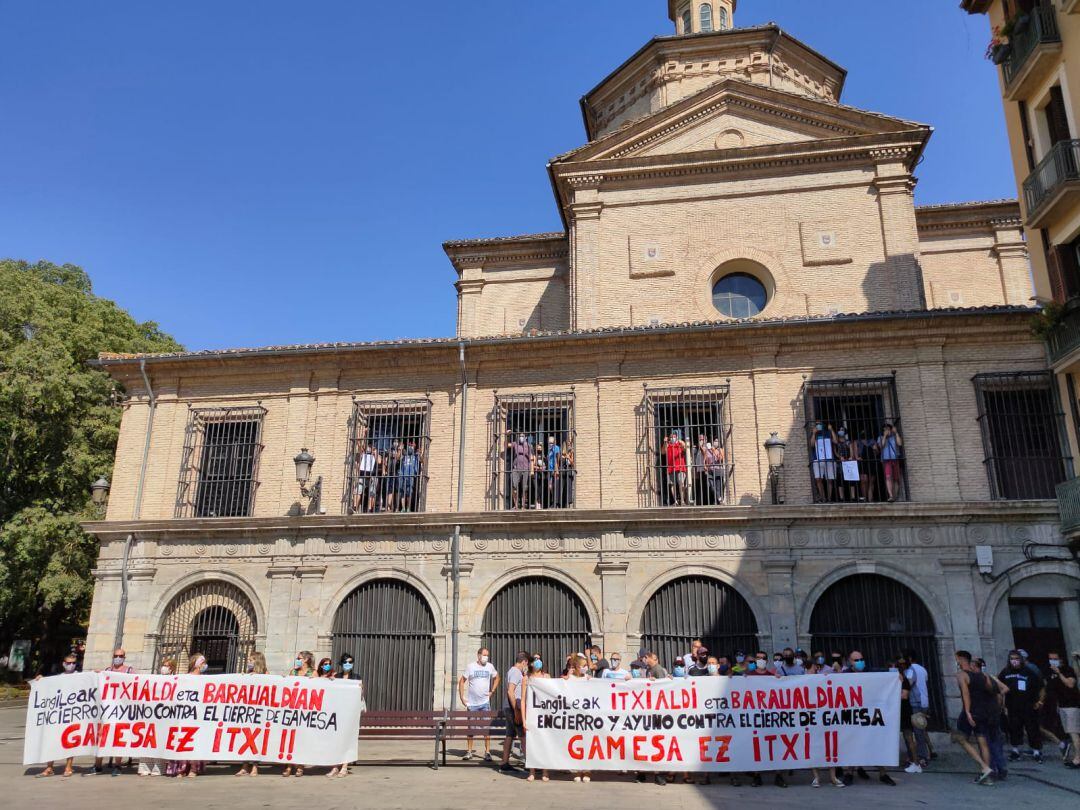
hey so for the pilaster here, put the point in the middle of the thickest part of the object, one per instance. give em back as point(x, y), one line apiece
point(584, 217)
point(613, 602)
point(1011, 252)
point(781, 602)
point(900, 284)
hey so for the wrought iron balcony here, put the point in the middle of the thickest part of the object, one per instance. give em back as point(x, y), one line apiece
point(1065, 337)
point(1068, 496)
point(1034, 49)
point(1054, 181)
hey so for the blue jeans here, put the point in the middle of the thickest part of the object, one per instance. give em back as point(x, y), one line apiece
point(995, 741)
point(922, 741)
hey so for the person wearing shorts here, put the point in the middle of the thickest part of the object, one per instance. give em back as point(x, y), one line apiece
point(822, 460)
point(891, 443)
point(475, 688)
point(1062, 683)
point(511, 710)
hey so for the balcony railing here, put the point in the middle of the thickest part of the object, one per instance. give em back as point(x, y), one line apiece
point(1060, 166)
point(1065, 337)
point(1068, 496)
point(1042, 29)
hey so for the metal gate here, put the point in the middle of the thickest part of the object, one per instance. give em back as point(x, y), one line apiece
point(387, 626)
point(879, 617)
point(535, 614)
point(697, 607)
point(213, 618)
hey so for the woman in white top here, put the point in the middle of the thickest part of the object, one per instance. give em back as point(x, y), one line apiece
point(577, 669)
point(536, 670)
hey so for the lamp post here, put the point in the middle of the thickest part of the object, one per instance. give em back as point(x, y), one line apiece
point(774, 450)
point(303, 461)
point(99, 492)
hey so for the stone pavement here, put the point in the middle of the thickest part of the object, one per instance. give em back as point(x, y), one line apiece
point(389, 781)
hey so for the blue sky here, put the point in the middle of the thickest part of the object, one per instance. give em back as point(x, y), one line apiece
point(259, 172)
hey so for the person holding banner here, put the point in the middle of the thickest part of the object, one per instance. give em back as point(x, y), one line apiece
point(536, 672)
point(189, 767)
point(255, 665)
point(578, 670)
point(155, 766)
point(70, 666)
point(512, 707)
point(119, 664)
point(857, 664)
point(303, 667)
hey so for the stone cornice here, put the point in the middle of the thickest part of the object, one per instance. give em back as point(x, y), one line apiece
point(598, 520)
point(977, 216)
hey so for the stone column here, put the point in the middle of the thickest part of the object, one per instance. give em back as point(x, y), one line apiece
point(469, 287)
point(964, 618)
point(309, 604)
point(469, 633)
point(584, 217)
point(613, 605)
point(901, 280)
point(781, 604)
point(281, 636)
point(1011, 252)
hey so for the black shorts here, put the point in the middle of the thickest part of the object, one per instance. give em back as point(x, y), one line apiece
point(514, 730)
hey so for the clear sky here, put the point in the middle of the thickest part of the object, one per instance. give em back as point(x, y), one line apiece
point(257, 172)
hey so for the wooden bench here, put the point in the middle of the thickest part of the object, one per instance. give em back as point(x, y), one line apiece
point(437, 726)
point(462, 724)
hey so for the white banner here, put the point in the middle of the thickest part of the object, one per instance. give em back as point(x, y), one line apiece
point(713, 723)
point(60, 708)
point(265, 718)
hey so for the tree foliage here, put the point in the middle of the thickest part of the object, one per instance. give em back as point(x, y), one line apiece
point(59, 420)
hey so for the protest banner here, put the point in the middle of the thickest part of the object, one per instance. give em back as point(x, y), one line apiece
point(713, 723)
point(57, 705)
point(265, 718)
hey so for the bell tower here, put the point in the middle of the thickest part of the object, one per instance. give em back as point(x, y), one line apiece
point(701, 16)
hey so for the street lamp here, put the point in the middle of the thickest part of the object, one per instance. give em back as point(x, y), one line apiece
point(99, 491)
point(774, 450)
point(303, 461)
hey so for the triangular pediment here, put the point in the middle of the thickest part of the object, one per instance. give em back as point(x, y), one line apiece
point(732, 115)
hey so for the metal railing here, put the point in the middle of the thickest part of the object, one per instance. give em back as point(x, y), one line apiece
point(386, 464)
point(1068, 498)
point(532, 457)
point(219, 470)
point(1061, 164)
point(1041, 28)
point(1065, 336)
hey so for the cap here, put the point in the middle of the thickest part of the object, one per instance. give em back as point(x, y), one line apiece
point(1023, 653)
point(679, 660)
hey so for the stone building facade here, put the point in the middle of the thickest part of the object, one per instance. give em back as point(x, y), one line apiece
point(743, 258)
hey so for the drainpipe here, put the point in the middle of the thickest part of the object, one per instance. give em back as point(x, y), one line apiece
point(118, 636)
point(455, 548)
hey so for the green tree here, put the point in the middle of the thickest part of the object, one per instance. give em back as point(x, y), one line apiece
point(59, 420)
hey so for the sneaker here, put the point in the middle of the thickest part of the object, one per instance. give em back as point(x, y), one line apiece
point(468, 756)
point(115, 772)
point(756, 781)
point(506, 767)
point(816, 782)
point(862, 774)
point(641, 778)
point(1014, 755)
point(885, 779)
point(659, 779)
point(848, 779)
point(736, 782)
point(914, 767)
point(1037, 756)
point(779, 781)
point(487, 757)
point(923, 763)
point(983, 778)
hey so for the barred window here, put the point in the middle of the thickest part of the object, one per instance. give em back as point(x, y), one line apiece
point(386, 466)
point(220, 461)
point(688, 446)
point(1023, 434)
point(855, 441)
point(706, 18)
point(532, 453)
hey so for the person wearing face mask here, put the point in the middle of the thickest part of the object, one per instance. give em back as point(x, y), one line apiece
point(69, 666)
point(190, 768)
point(346, 671)
point(475, 688)
point(254, 665)
point(847, 455)
point(1026, 690)
point(759, 667)
point(597, 663)
point(536, 670)
point(521, 464)
point(699, 665)
point(679, 669)
point(119, 664)
point(822, 460)
point(155, 766)
point(790, 664)
point(857, 664)
point(1062, 684)
point(690, 658)
point(303, 667)
point(979, 700)
point(741, 664)
point(920, 704)
point(615, 670)
point(675, 469)
point(514, 683)
point(408, 475)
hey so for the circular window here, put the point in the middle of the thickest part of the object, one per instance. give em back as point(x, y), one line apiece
point(739, 295)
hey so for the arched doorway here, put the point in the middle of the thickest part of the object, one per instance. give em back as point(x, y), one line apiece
point(697, 607)
point(387, 625)
point(214, 618)
point(879, 617)
point(537, 614)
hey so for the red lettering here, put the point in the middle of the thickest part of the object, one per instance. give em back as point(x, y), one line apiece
point(573, 747)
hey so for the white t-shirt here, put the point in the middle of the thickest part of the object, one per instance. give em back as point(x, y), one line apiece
point(479, 677)
point(919, 679)
point(612, 674)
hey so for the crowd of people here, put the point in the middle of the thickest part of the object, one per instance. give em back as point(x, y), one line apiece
point(539, 476)
point(850, 468)
point(388, 478)
point(998, 712)
point(1021, 700)
point(694, 475)
point(304, 666)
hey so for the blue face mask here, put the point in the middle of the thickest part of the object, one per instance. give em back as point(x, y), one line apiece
point(538, 664)
point(325, 667)
point(723, 669)
point(297, 663)
point(739, 659)
point(347, 666)
point(680, 672)
point(752, 666)
point(821, 660)
point(859, 666)
point(638, 673)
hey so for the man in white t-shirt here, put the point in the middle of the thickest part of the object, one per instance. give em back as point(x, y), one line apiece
point(615, 670)
point(920, 702)
point(475, 688)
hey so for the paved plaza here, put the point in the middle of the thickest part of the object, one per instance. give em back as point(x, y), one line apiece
point(393, 777)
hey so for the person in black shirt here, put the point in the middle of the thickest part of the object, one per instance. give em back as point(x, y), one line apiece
point(1026, 690)
point(1061, 682)
point(979, 705)
point(699, 664)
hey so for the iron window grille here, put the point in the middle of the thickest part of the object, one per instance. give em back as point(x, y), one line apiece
point(220, 462)
point(859, 454)
point(697, 467)
point(541, 472)
point(386, 465)
point(1023, 434)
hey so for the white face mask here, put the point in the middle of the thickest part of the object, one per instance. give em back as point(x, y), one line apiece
point(483, 659)
point(1055, 663)
point(69, 666)
point(118, 660)
point(166, 670)
point(799, 662)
